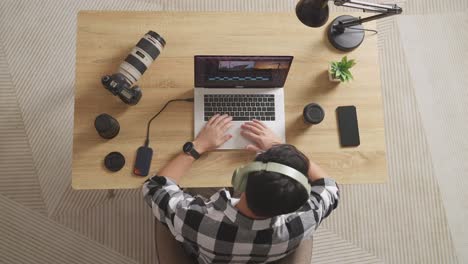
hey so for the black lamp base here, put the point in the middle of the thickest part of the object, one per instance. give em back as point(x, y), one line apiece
point(348, 39)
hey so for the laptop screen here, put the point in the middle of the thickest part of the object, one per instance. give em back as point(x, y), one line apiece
point(241, 71)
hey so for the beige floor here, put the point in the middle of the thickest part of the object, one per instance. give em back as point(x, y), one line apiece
point(407, 220)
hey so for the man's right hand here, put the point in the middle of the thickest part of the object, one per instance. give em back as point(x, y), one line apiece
point(262, 137)
point(213, 134)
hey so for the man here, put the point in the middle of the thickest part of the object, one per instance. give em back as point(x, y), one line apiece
point(271, 218)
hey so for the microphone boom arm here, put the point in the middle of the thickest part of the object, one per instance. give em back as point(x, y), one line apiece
point(382, 9)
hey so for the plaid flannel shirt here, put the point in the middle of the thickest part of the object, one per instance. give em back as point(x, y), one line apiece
point(214, 231)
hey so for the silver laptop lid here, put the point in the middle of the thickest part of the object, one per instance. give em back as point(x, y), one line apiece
point(241, 71)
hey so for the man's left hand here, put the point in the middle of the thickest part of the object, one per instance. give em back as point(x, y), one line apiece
point(213, 134)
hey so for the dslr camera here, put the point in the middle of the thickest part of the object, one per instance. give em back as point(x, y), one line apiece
point(122, 83)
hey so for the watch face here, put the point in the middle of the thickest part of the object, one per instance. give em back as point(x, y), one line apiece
point(187, 147)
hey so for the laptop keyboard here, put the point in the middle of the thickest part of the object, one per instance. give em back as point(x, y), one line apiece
point(242, 107)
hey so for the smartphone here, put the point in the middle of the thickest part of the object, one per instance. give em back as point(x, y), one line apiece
point(348, 126)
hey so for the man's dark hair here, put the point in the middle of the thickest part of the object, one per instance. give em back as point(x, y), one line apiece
point(269, 193)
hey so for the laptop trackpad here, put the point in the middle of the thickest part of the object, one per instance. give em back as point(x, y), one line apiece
point(238, 141)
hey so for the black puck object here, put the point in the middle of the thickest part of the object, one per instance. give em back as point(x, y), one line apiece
point(313, 114)
point(106, 126)
point(114, 161)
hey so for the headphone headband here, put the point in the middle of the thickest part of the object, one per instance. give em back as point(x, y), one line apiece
point(239, 179)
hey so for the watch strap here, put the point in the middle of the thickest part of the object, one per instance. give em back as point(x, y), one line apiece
point(194, 153)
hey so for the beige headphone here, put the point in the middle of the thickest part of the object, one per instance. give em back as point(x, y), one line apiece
point(239, 178)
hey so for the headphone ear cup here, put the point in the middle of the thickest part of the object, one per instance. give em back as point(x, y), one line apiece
point(243, 182)
point(239, 180)
point(235, 179)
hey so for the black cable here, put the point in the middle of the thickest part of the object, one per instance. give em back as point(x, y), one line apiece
point(364, 29)
point(162, 109)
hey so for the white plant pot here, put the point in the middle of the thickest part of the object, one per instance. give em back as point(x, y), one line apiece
point(330, 76)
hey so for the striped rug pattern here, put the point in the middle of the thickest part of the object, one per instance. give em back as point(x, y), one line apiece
point(442, 96)
point(402, 221)
point(18, 178)
point(30, 237)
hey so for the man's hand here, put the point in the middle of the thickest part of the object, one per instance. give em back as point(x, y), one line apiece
point(213, 134)
point(260, 134)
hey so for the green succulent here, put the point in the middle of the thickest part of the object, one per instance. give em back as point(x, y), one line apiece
point(340, 69)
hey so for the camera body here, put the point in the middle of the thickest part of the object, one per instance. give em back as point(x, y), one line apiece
point(118, 85)
point(122, 83)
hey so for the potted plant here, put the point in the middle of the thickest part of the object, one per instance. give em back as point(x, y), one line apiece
point(339, 70)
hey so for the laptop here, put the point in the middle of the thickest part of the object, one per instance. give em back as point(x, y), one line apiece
point(245, 87)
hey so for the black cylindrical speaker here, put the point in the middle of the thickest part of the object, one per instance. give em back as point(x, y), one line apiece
point(106, 126)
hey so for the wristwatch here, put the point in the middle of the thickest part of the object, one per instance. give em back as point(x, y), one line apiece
point(189, 149)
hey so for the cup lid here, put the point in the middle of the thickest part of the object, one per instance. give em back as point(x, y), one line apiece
point(313, 113)
point(114, 161)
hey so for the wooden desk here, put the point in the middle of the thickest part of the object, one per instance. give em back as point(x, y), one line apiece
point(105, 38)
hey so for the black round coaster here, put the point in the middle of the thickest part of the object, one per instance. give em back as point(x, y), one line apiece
point(114, 161)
